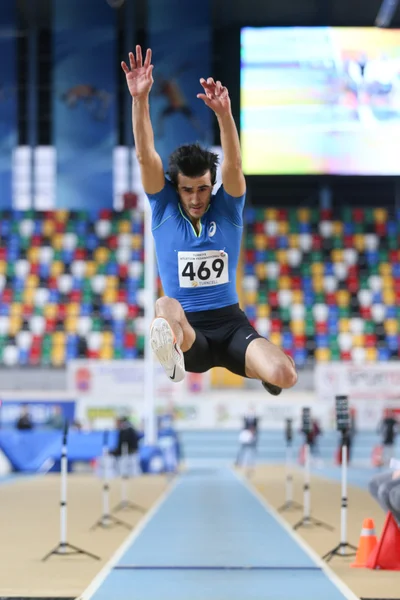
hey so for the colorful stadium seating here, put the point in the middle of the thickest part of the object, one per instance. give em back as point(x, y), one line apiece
point(323, 286)
point(70, 286)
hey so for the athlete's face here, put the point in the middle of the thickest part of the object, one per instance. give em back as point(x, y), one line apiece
point(195, 194)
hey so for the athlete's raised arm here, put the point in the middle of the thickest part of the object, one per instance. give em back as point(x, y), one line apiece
point(216, 97)
point(139, 78)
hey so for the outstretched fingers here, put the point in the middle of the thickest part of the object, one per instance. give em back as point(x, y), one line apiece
point(132, 60)
point(147, 60)
point(139, 58)
point(125, 67)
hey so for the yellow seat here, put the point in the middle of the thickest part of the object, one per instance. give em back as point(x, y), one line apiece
point(337, 228)
point(137, 241)
point(50, 311)
point(342, 298)
point(317, 268)
point(293, 240)
point(57, 268)
point(389, 297)
point(62, 216)
point(48, 227)
point(28, 295)
point(283, 227)
point(16, 309)
point(261, 271)
point(284, 282)
point(106, 353)
point(58, 338)
point(297, 297)
point(303, 215)
point(385, 269)
point(32, 281)
point(108, 338)
point(33, 254)
point(391, 326)
point(358, 340)
point(370, 354)
point(124, 226)
point(91, 269)
point(111, 282)
point(271, 214)
point(318, 284)
point(110, 296)
point(15, 324)
point(344, 325)
point(322, 354)
point(276, 338)
point(337, 255)
point(57, 241)
point(380, 215)
point(250, 296)
point(298, 326)
point(387, 282)
point(71, 324)
point(359, 242)
point(73, 309)
point(58, 356)
point(281, 256)
point(263, 311)
point(101, 255)
point(260, 241)
point(3, 267)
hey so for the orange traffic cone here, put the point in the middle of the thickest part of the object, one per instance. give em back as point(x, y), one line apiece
point(386, 554)
point(367, 543)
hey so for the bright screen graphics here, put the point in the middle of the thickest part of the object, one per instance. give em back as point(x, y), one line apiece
point(320, 101)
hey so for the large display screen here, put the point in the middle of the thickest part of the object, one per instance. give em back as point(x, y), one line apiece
point(320, 100)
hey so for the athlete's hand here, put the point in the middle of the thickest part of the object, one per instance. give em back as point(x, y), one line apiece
point(139, 77)
point(216, 96)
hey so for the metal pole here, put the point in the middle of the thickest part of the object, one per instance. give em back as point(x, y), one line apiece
point(343, 522)
point(150, 297)
point(307, 499)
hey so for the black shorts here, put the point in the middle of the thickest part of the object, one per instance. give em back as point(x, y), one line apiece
point(222, 337)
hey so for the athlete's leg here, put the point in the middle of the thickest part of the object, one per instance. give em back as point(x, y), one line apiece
point(170, 310)
point(170, 336)
point(268, 363)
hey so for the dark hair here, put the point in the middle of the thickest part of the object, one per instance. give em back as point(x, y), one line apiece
point(192, 161)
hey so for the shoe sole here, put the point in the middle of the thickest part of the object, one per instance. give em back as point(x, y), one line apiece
point(162, 341)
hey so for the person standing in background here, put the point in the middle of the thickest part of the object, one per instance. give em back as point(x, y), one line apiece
point(388, 428)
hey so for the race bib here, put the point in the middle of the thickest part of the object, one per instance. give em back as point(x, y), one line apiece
point(199, 269)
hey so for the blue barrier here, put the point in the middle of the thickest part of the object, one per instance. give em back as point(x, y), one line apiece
point(31, 451)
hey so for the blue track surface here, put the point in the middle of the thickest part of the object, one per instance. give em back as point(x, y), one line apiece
point(212, 539)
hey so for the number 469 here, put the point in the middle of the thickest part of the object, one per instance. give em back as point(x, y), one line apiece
point(203, 272)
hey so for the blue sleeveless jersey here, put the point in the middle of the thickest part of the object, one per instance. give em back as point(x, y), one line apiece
point(198, 270)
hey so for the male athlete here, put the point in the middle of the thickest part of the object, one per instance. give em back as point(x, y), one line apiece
point(197, 235)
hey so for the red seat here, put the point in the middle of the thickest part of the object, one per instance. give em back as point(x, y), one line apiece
point(133, 311)
point(130, 340)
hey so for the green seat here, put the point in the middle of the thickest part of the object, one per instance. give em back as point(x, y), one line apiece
point(337, 242)
point(369, 327)
point(285, 315)
point(140, 343)
point(335, 354)
point(97, 324)
point(272, 285)
point(118, 353)
point(344, 312)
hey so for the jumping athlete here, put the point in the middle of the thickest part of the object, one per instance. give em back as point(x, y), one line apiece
point(198, 323)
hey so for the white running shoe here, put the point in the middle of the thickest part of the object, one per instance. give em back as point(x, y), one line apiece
point(166, 349)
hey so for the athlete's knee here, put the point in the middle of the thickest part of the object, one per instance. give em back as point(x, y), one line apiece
point(285, 372)
point(167, 306)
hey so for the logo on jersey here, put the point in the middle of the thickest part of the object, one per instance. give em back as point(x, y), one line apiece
point(212, 229)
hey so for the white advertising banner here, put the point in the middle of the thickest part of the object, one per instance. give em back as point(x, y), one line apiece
point(116, 380)
point(375, 382)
